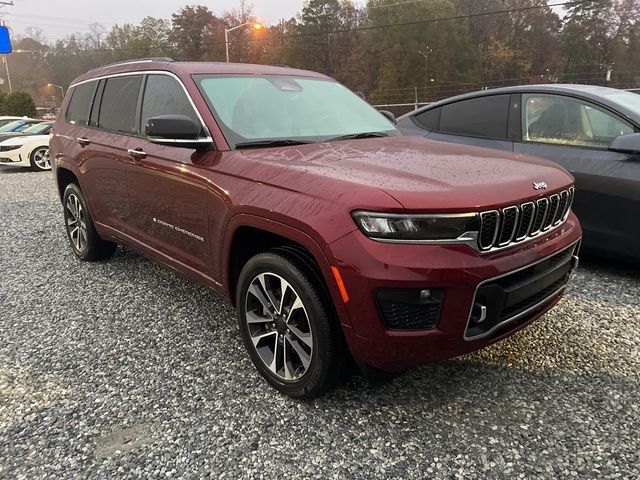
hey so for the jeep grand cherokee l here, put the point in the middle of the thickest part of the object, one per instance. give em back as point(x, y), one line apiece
point(293, 198)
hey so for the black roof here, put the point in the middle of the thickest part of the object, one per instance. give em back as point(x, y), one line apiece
point(594, 93)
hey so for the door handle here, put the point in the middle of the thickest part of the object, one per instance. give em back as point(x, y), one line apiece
point(84, 141)
point(138, 153)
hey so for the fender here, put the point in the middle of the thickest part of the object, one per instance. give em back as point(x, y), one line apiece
point(322, 256)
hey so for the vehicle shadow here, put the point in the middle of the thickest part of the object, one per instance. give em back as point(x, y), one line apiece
point(8, 170)
point(613, 266)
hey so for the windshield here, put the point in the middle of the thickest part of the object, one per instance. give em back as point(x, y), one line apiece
point(263, 108)
point(37, 128)
point(10, 127)
point(629, 100)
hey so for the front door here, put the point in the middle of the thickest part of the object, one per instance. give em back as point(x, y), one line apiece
point(576, 134)
point(171, 197)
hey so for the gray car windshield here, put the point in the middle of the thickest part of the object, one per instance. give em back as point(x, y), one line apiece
point(273, 109)
point(629, 100)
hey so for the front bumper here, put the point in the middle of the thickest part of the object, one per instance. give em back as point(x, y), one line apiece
point(13, 158)
point(459, 273)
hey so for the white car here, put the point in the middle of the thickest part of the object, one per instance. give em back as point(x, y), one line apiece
point(26, 151)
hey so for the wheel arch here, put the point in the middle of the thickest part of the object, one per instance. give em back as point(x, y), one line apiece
point(248, 235)
point(64, 177)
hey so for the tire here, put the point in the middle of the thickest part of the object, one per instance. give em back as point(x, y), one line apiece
point(39, 159)
point(309, 345)
point(81, 232)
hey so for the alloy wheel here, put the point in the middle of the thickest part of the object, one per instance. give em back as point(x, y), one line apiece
point(279, 327)
point(76, 223)
point(41, 158)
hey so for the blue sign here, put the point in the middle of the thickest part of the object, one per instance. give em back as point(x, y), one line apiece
point(5, 40)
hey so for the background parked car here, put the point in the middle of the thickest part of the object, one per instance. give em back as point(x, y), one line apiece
point(5, 120)
point(575, 125)
point(19, 125)
point(42, 128)
point(26, 151)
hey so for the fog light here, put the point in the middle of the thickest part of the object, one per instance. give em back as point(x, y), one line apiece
point(425, 294)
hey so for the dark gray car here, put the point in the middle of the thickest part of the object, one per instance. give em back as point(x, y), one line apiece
point(591, 131)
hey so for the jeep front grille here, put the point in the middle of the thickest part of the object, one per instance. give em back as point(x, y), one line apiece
point(517, 223)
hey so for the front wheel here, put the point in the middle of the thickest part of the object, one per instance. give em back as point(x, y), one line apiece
point(287, 326)
point(81, 232)
point(40, 159)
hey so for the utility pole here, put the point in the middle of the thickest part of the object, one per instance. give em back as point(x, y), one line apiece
point(425, 53)
point(6, 64)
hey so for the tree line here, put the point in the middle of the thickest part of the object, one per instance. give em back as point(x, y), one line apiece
point(394, 51)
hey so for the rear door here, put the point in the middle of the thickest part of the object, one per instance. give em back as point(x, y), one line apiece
point(112, 126)
point(172, 200)
point(576, 133)
point(481, 121)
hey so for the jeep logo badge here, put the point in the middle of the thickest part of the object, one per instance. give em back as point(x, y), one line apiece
point(539, 185)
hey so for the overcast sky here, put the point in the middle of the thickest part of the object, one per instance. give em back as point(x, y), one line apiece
point(58, 18)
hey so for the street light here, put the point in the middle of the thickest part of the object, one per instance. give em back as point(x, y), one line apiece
point(254, 25)
point(57, 86)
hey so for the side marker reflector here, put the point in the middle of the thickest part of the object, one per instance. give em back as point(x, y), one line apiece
point(341, 287)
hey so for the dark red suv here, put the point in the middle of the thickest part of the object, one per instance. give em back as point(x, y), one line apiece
point(332, 234)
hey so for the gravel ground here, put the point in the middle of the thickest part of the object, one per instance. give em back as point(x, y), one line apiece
point(125, 369)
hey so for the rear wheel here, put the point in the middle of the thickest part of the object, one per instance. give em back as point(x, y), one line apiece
point(81, 232)
point(39, 158)
point(287, 326)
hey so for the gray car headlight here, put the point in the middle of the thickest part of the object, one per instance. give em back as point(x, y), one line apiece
point(437, 227)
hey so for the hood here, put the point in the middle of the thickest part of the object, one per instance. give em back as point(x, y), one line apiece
point(420, 174)
point(22, 139)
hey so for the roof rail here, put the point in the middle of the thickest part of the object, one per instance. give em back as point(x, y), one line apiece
point(139, 60)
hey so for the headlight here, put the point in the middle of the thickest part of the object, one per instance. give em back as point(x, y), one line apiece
point(8, 148)
point(386, 226)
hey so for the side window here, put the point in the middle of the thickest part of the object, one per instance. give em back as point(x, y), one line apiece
point(80, 104)
point(569, 121)
point(119, 104)
point(163, 95)
point(480, 117)
point(430, 119)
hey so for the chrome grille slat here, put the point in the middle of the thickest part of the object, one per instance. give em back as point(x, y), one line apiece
point(509, 219)
point(527, 213)
point(517, 223)
point(554, 200)
point(489, 227)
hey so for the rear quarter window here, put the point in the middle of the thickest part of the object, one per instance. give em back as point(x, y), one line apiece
point(485, 117)
point(80, 104)
point(430, 119)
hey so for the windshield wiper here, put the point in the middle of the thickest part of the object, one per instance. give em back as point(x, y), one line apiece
point(283, 142)
point(356, 136)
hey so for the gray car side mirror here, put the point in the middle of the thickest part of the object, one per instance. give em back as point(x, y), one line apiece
point(629, 144)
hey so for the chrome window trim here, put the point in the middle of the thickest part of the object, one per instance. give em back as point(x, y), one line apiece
point(209, 138)
point(518, 316)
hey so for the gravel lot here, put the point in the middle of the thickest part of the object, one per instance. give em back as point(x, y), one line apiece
point(125, 369)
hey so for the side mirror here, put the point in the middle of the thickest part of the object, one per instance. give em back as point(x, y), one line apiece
point(629, 144)
point(176, 131)
point(390, 116)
